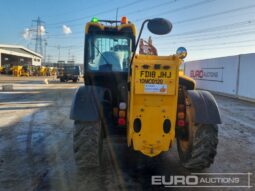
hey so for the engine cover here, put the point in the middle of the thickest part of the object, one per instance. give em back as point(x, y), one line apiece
point(153, 103)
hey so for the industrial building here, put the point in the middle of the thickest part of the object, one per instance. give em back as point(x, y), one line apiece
point(231, 75)
point(13, 55)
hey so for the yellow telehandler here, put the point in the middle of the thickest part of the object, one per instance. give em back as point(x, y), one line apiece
point(16, 71)
point(141, 98)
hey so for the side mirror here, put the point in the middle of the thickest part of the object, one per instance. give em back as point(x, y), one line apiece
point(181, 52)
point(159, 26)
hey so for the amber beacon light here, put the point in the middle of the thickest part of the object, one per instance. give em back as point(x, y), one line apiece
point(124, 20)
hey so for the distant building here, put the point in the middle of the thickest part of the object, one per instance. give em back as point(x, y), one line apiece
point(13, 55)
point(70, 62)
point(61, 62)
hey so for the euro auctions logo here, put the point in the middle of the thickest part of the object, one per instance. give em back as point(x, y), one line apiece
point(207, 74)
point(214, 180)
point(204, 74)
point(175, 180)
point(197, 74)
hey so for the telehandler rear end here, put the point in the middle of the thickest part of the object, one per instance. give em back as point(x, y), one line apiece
point(140, 97)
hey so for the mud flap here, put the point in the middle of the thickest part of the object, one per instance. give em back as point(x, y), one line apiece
point(205, 107)
point(86, 104)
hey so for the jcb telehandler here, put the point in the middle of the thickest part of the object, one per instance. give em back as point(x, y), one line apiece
point(140, 97)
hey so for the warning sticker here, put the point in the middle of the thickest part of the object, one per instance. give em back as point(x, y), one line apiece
point(155, 88)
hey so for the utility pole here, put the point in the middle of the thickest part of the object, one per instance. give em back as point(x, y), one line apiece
point(73, 58)
point(68, 55)
point(45, 45)
point(49, 59)
point(39, 32)
point(58, 47)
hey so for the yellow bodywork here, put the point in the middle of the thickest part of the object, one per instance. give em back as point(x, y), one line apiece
point(153, 99)
point(181, 73)
point(25, 73)
point(52, 71)
point(43, 71)
point(16, 71)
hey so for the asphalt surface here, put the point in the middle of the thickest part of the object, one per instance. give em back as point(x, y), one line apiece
point(36, 144)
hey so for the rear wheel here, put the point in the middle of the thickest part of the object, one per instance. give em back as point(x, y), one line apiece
point(75, 80)
point(87, 144)
point(62, 80)
point(197, 143)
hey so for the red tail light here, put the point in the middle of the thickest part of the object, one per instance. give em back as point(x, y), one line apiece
point(121, 122)
point(180, 123)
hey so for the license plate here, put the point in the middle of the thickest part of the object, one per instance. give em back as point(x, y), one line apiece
point(155, 82)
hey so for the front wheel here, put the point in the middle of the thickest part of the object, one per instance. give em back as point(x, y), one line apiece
point(87, 144)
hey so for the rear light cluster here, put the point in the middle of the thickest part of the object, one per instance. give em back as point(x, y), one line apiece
point(181, 115)
point(122, 114)
point(121, 121)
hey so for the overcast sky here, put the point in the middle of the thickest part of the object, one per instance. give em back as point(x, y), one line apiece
point(207, 28)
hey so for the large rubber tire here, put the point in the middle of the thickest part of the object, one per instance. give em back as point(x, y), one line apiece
point(197, 147)
point(87, 144)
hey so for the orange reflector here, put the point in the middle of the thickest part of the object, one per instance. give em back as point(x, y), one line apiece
point(181, 115)
point(122, 114)
point(180, 123)
point(115, 112)
point(124, 20)
point(181, 107)
point(121, 122)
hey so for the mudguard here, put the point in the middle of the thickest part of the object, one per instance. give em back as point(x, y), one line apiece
point(204, 106)
point(189, 83)
point(86, 105)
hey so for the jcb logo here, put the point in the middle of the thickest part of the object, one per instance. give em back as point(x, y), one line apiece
point(197, 73)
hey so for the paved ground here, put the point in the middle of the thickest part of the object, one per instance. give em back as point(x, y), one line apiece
point(36, 144)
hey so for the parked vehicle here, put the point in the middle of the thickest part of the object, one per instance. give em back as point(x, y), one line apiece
point(67, 73)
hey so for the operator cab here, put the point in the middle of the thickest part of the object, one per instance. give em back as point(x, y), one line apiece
point(108, 50)
point(108, 53)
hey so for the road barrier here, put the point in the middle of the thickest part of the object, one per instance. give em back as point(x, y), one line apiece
point(233, 75)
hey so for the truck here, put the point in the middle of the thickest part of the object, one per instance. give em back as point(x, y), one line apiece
point(69, 72)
